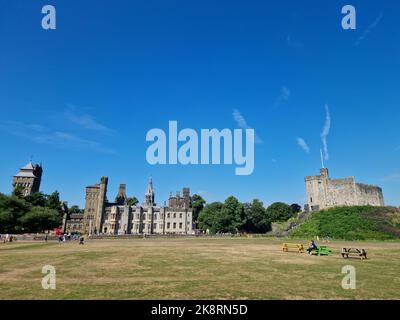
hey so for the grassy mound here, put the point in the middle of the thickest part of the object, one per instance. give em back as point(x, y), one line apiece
point(352, 223)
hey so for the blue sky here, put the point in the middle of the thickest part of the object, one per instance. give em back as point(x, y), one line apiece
point(81, 98)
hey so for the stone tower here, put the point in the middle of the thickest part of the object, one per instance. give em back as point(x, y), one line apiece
point(96, 197)
point(149, 197)
point(29, 178)
point(121, 198)
point(186, 197)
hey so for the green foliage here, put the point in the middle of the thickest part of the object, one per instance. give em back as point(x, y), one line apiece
point(279, 211)
point(39, 219)
point(53, 202)
point(209, 217)
point(33, 213)
point(75, 209)
point(132, 201)
point(197, 204)
point(256, 218)
point(11, 210)
point(231, 216)
point(296, 208)
point(37, 199)
point(352, 223)
point(18, 192)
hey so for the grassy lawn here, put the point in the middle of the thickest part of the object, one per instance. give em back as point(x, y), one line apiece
point(193, 268)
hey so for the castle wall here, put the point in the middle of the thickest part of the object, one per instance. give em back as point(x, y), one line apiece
point(323, 192)
point(368, 194)
point(341, 192)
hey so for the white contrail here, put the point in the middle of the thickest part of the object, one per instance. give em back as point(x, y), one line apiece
point(242, 123)
point(303, 144)
point(325, 132)
point(369, 29)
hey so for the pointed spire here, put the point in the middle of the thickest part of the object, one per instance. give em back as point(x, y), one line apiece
point(150, 186)
point(150, 194)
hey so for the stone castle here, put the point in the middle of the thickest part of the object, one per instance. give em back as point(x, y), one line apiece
point(119, 217)
point(324, 192)
point(28, 179)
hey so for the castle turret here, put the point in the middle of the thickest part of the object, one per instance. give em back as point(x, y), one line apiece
point(28, 179)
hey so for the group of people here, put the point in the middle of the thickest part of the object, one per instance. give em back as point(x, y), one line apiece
point(65, 237)
point(7, 238)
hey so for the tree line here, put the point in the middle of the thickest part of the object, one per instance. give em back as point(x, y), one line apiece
point(232, 216)
point(30, 214)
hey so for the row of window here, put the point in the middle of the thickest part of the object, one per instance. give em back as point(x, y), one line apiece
point(137, 216)
point(160, 226)
point(174, 225)
point(23, 184)
point(91, 196)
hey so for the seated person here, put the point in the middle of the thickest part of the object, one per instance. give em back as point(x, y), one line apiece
point(312, 247)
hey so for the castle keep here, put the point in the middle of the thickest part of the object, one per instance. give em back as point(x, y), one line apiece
point(119, 218)
point(323, 192)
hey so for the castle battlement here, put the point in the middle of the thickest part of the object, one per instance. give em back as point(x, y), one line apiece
point(323, 192)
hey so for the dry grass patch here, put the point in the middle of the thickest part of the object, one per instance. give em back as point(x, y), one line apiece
point(194, 268)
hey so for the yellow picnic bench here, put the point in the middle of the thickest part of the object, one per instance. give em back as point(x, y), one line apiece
point(295, 246)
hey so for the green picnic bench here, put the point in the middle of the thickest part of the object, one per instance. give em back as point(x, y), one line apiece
point(322, 251)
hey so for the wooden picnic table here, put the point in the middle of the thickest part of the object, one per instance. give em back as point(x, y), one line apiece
point(354, 252)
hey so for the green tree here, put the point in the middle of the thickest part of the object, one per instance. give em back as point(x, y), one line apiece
point(296, 208)
point(39, 219)
point(18, 192)
point(53, 202)
point(75, 209)
point(197, 204)
point(256, 217)
point(38, 199)
point(231, 216)
point(11, 210)
point(209, 215)
point(279, 211)
point(132, 201)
